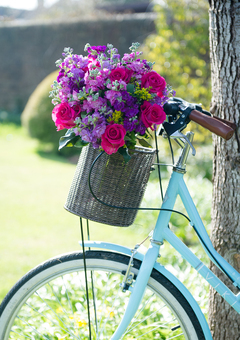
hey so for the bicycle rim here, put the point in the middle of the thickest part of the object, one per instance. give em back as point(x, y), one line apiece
point(50, 303)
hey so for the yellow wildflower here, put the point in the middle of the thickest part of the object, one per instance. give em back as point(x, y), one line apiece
point(116, 117)
point(111, 315)
point(142, 93)
point(79, 321)
point(59, 310)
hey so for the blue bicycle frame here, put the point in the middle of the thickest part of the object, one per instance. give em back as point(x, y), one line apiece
point(162, 232)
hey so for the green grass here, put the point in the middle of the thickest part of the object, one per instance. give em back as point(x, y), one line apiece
point(34, 226)
point(33, 223)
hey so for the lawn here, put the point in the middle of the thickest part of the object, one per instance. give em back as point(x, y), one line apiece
point(35, 226)
point(33, 223)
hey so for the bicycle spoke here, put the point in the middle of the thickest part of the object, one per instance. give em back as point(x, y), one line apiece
point(56, 308)
point(25, 336)
point(109, 313)
point(143, 306)
point(39, 313)
point(59, 302)
point(67, 328)
point(138, 337)
point(159, 326)
point(174, 337)
point(143, 320)
point(70, 305)
point(105, 294)
point(94, 303)
point(33, 329)
point(138, 314)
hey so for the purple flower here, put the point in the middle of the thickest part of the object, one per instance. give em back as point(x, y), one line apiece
point(90, 105)
point(97, 85)
point(92, 128)
point(77, 73)
point(112, 96)
point(119, 105)
point(129, 125)
point(87, 136)
point(140, 128)
point(95, 50)
point(60, 75)
point(131, 111)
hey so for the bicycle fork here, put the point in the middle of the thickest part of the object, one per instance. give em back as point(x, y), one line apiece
point(138, 289)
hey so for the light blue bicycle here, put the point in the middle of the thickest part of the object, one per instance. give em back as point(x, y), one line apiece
point(129, 295)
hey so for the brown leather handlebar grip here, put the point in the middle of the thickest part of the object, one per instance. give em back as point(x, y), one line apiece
point(214, 125)
point(227, 122)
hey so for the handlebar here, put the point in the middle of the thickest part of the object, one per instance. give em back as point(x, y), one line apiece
point(180, 113)
point(213, 124)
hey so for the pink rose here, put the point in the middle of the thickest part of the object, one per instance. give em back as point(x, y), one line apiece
point(121, 73)
point(154, 81)
point(64, 115)
point(113, 138)
point(152, 114)
point(160, 94)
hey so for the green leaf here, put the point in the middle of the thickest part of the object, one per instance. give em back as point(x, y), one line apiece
point(127, 138)
point(130, 88)
point(70, 140)
point(83, 114)
point(80, 143)
point(69, 132)
point(144, 143)
point(125, 154)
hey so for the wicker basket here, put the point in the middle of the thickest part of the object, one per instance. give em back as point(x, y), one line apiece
point(113, 182)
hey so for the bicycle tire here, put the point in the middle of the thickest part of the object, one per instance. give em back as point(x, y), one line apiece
point(49, 302)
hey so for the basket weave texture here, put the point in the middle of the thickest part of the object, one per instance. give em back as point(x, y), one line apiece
point(113, 182)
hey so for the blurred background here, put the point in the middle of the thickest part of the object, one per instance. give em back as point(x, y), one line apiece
point(34, 176)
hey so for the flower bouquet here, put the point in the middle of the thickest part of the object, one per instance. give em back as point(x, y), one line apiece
point(110, 103)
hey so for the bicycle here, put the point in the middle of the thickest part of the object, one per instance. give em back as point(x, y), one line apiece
point(113, 292)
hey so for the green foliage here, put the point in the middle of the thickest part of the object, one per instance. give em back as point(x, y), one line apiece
point(37, 117)
point(181, 48)
point(70, 140)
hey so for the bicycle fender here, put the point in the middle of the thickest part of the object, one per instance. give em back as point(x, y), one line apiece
point(160, 268)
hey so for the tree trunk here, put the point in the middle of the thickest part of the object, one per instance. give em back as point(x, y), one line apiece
point(225, 61)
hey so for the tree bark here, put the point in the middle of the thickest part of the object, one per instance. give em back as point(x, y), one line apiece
point(224, 39)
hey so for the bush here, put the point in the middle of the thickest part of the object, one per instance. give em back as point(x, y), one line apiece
point(37, 118)
point(180, 48)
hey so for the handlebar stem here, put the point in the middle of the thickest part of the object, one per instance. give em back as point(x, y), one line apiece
point(180, 165)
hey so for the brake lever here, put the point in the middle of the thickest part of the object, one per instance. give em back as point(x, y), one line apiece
point(184, 109)
point(179, 135)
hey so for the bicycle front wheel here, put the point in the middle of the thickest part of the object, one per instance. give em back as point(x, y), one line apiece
point(50, 302)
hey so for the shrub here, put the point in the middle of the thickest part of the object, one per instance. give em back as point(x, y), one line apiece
point(180, 49)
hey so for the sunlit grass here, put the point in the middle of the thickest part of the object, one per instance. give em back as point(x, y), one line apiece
point(34, 224)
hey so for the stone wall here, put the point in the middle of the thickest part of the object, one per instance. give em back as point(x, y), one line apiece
point(28, 51)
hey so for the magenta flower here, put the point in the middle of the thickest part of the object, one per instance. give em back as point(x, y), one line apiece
point(154, 81)
point(121, 73)
point(152, 114)
point(102, 99)
point(95, 50)
point(113, 138)
point(64, 116)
